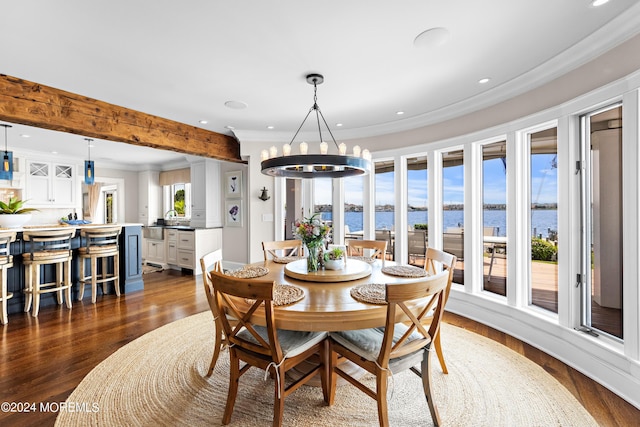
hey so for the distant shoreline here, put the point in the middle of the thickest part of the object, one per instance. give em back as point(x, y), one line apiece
point(449, 207)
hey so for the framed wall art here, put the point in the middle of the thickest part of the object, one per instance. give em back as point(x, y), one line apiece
point(233, 213)
point(233, 184)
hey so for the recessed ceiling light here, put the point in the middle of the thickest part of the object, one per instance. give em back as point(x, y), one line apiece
point(24, 135)
point(236, 105)
point(399, 113)
point(54, 152)
point(203, 122)
point(433, 37)
point(338, 124)
point(596, 3)
point(229, 127)
point(269, 127)
point(483, 81)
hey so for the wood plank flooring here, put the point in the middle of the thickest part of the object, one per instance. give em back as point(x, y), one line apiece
point(44, 359)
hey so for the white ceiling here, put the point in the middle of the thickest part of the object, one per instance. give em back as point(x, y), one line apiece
point(183, 60)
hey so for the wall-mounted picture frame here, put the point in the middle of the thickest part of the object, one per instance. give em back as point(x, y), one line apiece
point(233, 184)
point(233, 213)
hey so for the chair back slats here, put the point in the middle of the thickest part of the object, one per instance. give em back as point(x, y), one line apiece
point(48, 240)
point(414, 301)
point(377, 248)
point(6, 237)
point(209, 262)
point(261, 295)
point(282, 248)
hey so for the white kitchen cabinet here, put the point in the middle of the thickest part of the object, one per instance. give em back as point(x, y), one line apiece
point(149, 197)
point(154, 252)
point(206, 210)
point(192, 245)
point(171, 239)
point(50, 184)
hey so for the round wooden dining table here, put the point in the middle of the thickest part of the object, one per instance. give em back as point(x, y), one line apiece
point(327, 304)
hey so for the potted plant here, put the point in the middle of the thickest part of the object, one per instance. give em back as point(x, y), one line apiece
point(334, 259)
point(13, 215)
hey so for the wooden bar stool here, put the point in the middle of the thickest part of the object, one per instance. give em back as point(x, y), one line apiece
point(6, 262)
point(47, 247)
point(102, 243)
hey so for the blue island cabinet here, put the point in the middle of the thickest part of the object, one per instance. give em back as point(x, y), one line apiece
point(130, 243)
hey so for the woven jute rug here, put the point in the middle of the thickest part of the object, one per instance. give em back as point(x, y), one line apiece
point(157, 380)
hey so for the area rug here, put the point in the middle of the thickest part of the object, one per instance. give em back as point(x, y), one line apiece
point(157, 380)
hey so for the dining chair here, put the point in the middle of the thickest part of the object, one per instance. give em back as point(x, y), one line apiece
point(436, 261)
point(265, 347)
point(397, 347)
point(376, 248)
point(212, 261)
point(282, 248)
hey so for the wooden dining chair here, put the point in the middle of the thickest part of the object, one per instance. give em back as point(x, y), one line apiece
point(436, 261)
point(375, 249)
point(397, 347)
point(282, 248)
point(265, 347)
point(212, 261)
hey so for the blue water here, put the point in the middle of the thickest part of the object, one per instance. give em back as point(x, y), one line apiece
point(541, 220)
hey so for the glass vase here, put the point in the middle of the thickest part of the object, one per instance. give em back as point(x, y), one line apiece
point(312, 258)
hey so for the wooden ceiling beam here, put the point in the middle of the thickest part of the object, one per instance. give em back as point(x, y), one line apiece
point(33, 104)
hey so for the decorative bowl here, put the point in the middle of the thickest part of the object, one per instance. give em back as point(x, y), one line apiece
point(14, 220)
point(334, 264)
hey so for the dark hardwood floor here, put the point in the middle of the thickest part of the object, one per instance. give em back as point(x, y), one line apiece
point(43, 359)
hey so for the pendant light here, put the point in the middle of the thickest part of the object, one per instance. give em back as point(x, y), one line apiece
point(89, 170)
point(323, 165)
point(7, 160)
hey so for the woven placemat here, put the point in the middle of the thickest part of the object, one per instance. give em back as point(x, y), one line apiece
point(404, 271)
point(372, 293)
point(284, 294)
point(249, 272)
point(366, 259)
point(286, 259)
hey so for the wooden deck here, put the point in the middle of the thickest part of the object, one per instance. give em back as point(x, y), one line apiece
point(544, 290)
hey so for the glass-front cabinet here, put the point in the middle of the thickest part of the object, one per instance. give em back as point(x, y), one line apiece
point(50, 184)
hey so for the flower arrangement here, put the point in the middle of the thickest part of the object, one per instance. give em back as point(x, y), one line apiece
point(312, 231)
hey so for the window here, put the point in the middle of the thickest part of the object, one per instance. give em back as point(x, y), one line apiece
point(353, 207)
point(453, 209)
point(602, 219)
point(179, 199)
point(384, 195)
point(417, 203)
point(494, 217)
point(543, 217)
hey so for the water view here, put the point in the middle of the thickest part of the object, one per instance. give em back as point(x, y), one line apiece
point(542, 220)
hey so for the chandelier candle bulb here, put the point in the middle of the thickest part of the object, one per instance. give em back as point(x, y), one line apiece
point(342, 149)
point(304, 147)
point(264, 155)
point(324, 147)
point(273, 151)
point(356, 151)
point(286, 149)
point(366, 154)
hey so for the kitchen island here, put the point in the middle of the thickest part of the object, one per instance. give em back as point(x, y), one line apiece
point(130, 247)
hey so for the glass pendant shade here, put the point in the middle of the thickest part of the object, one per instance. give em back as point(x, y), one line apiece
point(6, 172)
point(88, 172)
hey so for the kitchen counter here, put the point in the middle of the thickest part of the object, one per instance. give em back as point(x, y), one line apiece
point(130, 244)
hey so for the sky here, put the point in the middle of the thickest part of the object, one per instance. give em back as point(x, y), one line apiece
point(543, 184)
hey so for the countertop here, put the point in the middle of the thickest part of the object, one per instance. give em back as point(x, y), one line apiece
point(58, 226)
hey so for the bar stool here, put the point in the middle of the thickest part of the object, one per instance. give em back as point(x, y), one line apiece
point(102, 243)
point(6, 262)
point(47, 247)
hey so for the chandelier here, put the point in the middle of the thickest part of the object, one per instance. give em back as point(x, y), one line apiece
point(315, 165)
